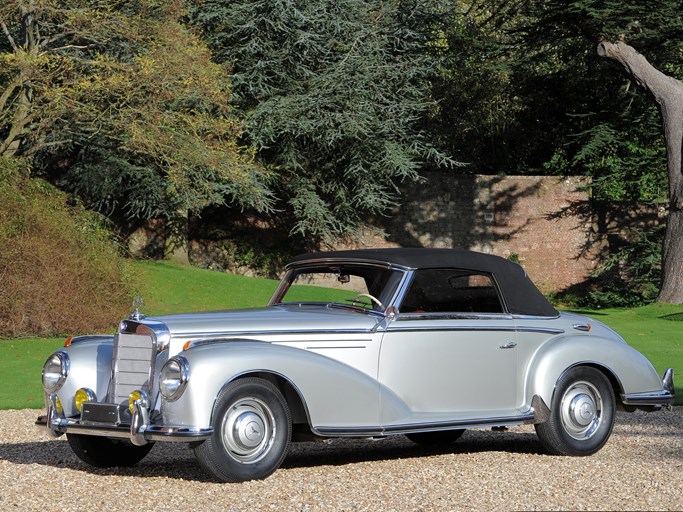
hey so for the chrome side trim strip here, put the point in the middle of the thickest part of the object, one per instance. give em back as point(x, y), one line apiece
point(541, 330)
point(424, 427)
point(233, 334)
point(502, 328)
point(453, 316)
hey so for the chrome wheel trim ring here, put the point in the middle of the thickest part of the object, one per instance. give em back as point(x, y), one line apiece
point(581, 410)
point(248, 430)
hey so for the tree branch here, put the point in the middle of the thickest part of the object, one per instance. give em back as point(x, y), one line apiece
point(644, 73)
point(9, 37)
point(8, 92)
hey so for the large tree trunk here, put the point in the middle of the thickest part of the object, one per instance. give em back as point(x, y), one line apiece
point(668, 92)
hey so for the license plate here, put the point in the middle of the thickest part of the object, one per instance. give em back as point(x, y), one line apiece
point(101, 413)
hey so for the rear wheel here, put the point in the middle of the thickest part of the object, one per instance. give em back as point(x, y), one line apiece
point(103, 452)
point(252, 430)
point(582, 413)
point(436, 438)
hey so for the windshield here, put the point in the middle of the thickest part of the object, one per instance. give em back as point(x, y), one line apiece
point(362, 286)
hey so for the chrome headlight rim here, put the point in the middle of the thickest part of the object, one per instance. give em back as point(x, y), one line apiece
point(53, 378)
point(173, 378)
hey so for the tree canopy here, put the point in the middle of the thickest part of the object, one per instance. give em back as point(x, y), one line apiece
point(623, 144)
point(332, 93)
point(119, 102)
point(318, 111)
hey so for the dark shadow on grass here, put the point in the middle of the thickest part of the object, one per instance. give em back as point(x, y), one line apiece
point(675, 317)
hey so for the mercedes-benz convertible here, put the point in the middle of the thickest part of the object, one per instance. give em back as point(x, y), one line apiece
point(370, 343)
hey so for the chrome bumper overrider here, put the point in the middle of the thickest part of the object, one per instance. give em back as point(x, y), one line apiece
point(655, 399)
point(139, 432)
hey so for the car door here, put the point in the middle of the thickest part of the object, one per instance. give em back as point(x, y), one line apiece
point(450, 353)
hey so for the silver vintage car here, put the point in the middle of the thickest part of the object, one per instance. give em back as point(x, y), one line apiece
point(370, 343)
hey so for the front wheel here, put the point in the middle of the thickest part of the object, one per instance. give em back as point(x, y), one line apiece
point(103, 452)
point(582, 414)
point(252, 429)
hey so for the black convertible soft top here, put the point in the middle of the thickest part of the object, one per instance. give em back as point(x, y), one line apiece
point(521, 295)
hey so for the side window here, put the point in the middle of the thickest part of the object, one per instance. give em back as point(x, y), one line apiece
point(451, 291)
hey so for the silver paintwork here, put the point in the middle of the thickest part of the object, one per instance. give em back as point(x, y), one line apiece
point(349, 372)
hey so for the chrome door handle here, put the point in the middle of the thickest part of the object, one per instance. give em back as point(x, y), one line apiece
point(509, 344)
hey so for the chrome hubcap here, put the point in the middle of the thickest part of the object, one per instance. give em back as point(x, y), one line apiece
point(581, 410)
point(248, 430)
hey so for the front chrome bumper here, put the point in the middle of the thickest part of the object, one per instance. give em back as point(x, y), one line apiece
point(139, 431)
point(655, 399)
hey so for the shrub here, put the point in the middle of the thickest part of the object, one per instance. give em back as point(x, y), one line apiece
point(60, 272)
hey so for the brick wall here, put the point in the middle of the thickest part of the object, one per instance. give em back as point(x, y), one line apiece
point(546, 222)
point(550, 224)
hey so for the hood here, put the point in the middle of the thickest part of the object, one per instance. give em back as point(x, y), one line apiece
point(273, 319)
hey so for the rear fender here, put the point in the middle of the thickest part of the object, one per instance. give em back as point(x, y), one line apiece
point(627, 369)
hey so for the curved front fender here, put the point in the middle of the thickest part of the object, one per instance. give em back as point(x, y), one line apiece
point(632, 371)
point(334, 394)
point(90, 367)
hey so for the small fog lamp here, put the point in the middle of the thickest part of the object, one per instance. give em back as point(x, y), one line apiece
point(136, 395)
point(58, 405)
point(82, 396)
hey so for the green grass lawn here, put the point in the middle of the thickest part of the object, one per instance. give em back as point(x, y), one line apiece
point(655, 330)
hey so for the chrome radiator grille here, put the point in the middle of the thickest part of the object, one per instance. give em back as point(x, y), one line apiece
point(133, 363)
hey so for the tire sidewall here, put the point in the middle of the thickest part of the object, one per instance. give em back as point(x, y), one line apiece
point(213, 454)
point(563, 442)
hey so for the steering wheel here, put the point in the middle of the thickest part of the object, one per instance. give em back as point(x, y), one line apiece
point(367, 296)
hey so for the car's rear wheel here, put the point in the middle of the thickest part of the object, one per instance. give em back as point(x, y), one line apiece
point(436, 438)
point(582, 413)
point(252, 429)
point(103, 452)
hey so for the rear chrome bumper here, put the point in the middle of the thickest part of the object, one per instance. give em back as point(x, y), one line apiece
point(139, 431)
point(655, 399)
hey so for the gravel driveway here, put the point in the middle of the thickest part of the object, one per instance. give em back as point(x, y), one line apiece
point(641, 468)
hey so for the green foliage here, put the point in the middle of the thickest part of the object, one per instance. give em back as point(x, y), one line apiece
point(479, 108)
point(630, 276)
point(60, 273)
point(331, 93)
point(120, 103)
point(610, 129)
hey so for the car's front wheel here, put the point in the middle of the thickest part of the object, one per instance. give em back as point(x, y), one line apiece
point(252, 429)
point(582, 413)
point(103, 452)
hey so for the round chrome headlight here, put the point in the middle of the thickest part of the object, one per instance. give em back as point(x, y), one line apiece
point(173, 378)
point(55, 371)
